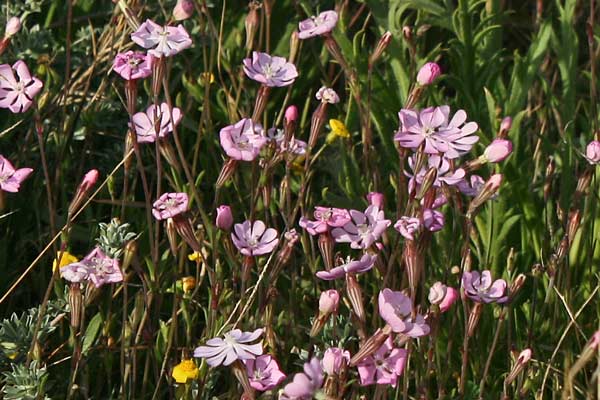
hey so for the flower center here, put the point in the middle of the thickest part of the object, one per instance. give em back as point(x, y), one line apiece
point(363, 229)
point(252, 241)
point(229, 340)
point(428, 131)
point(268, 71)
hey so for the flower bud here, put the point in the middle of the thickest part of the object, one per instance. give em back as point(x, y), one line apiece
point(407, 33)
point(375, 199)
point(449, 299)
point(291, 114)
point(592, 152)
point(224, 219)
point(88, 182)
point(383, 43)
point(333, 360)
point(489, 189)
point(516, 286)
point(498, 150)
point(428, 74)
point(433, 220)
point(183, 10)
point(13, 26)
point(437, 292)
point(251, 23)
point(505, 126)
point(520, 364)
point(188, 283)
point(328, 302)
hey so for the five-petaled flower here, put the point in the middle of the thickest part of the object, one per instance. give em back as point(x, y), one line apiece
point(170, 205)
point(243, 140)
point(264, 372)
point(396, 309)
point(96, 267)
point(11, 178)
point(305, 384)
point(17, 95)
point(269, 70)
point(133, 65)
point(185, 371)
point(319, 25)
point(363, 229)
point(384, 366)
point(327, 95)
point(444, 172)
point(145, 128)
point(254, 239)
point(325, 218)
point(163, 41)
point(408, 226)
point(350, 267)
point(480, 287)
point(232, 347)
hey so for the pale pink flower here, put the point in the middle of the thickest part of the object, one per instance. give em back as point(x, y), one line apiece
point(350, 267)
point(498, 150)
point(433, 220)
point(13, 26)
point(375, 199)
point(328, 301)
point(384, 366)
point(459, 135)
point(254, 239)
point(232, 347)
point(243, 140)
point(320, 25)
point(437, 292)
point(224, 219)
point(305, 385)
point(75, 272)
point(294, 146)
point(170, 205)
point(144, 122)
point(333, 359)
point(408, 226)
point(327, 95)
point(396, 309)
point(325, 218)
point(472, 186)
point(96, 267)
point(482, 289)
point(269, 70)
point(592, 152)
point(364, 229)
point(133, 65)
point(183, 10)
point(15, 95)
point(264, 372)
point(163, 41)
point(11, 178)
point(444, 173)
point(428, 73)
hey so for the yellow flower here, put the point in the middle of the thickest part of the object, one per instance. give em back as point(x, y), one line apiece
point(185, 371)
point(188, 283)
point(206, 77)
point(66, 259)
point(338, 129)
point(195, 256)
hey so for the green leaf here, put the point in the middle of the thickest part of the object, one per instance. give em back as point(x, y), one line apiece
point(91, 332)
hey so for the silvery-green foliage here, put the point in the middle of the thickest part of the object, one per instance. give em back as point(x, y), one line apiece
point(113, 237)
point(24, 383)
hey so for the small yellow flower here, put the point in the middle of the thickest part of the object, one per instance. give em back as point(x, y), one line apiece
point(206, 77)
point(195, 256)
point(66, 259)
point(338, 129)
point(185, 371)
point(188, 283)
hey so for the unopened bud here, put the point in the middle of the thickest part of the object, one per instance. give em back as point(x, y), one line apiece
point(505, 126)
point(428, 181)
point(520, 364)
point(428, 73)
point(474, 317)
point(573, 226)
point(355, 296)
point(224, 219)
point(251, 23)
point(516, 286)
point(375, 199)
point(489, 189)
point(383, 43)
point(88, 182)
point(498, 150)
point(184, 9)
point(13, 26)
point(130, 250)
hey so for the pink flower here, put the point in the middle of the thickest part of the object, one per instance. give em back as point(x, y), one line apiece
point(11, 178)
point(481, 289)
point(375, 199)
point(428, 73)
point(269, 70)
point(96, 267)
point(144, 122)
point(328, 302)
point(163, 41)
point(471, 187)
point(364, 229)
point(351, 267)
point(498, 150)
point(170, 205)
point(407, 226)
point(320, 25)
point(433, 220)
point(133, 65)
point(325, 217)
point(254, 239)
point(444, 174)
point(13, 26)
point(437, 292)
point(449, 299)
point(384, 366)
point(396, 308)
point(459, 135)
point(234, 346)
point(327, 95)
point(333, 358)
point(305, 385)
point(15, 95)
point(224, 219)
point(294, 146)
point(592, 152)
point(243, 140)
point(183, 10)
point(264, 372)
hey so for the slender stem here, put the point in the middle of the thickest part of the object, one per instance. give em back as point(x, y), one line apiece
point(491, 353)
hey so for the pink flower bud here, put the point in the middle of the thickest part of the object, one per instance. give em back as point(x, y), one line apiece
point(437, 292)
point(595, 340)
point(449, 299)
point(428, 73)
point(13, 26)
point(524, 357)
point(89, 180)
point(592, 152)
point(494, 182)
point(375, 199)
point(506, 124)
point(224, 218)
point(328, 302)
point(498, 150)
point(333, 358)
point(183, 10)
point(291, 113)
